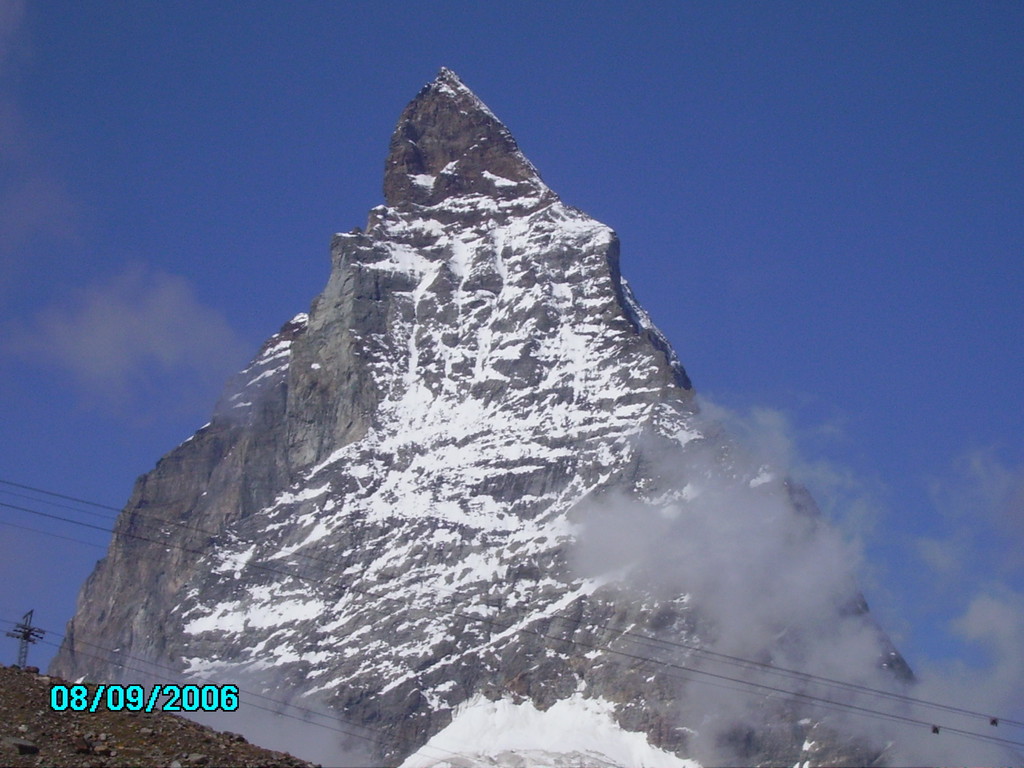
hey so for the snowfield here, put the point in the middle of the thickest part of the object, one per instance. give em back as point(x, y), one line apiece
point(574, 731)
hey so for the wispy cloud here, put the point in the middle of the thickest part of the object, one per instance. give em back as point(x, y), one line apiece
point(737, 528)
point(12, 15)
point(978, 505)
point(851, 500)
point(36, 209)
point(976, 560)
point(765, 576)
point(981, 494)
point(142, 336)
point(143, 331)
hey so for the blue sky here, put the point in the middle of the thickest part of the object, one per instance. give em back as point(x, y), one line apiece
point(821, 205)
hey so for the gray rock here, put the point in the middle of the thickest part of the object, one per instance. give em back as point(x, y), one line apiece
point(447, 134)
point(23, 746)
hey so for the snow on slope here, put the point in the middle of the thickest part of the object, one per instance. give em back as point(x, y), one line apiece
point(454, 483)
point(574, 731)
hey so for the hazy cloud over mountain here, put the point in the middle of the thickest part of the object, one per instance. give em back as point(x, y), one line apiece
point(141, 329)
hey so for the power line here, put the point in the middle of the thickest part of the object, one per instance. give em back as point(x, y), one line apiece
point(774, 689)
point(805, 676)
point(59, 495)
point(54, 535)
point(101, 515)
point(646, 638)
point(136, 513)
point(749, 663)
point(827, 703)
point(737, 660)
point(55, 517)
point(165, 544)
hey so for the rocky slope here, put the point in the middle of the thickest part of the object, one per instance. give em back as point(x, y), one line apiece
point(32, 734)
point(422, 491)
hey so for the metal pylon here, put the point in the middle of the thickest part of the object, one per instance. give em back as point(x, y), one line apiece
point(26, 634)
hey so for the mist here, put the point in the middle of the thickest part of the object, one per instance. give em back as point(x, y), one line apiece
point(272, 716)
point(770, 579)
point(303, 728)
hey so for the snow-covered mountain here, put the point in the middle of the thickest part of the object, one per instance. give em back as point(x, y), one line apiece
point(468, 502)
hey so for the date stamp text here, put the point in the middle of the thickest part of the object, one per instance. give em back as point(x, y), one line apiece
point(139, 698)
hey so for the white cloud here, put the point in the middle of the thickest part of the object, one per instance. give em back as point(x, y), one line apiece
point(142, 330)
point(943, 556)
point(980, 501)
point(994, 621)
point(731, 536)
point(765, 578)
point(997, 621)
point(977, 564)
point(849, 500)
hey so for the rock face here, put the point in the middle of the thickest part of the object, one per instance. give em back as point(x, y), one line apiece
point(448, 144)
point(385, 513)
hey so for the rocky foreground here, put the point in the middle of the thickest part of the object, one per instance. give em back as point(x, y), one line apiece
point(32, 734)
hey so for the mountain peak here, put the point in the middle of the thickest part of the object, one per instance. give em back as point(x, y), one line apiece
point(448, 77)
point(449, 144)
point(452, 495)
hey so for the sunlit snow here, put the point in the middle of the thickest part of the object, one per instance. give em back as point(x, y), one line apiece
point(572, 732)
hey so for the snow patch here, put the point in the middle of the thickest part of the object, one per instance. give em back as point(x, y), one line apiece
point(303, 494)
point(573, 731)
point(499, 181)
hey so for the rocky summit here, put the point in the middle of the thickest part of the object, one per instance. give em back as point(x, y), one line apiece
point(468, 508)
